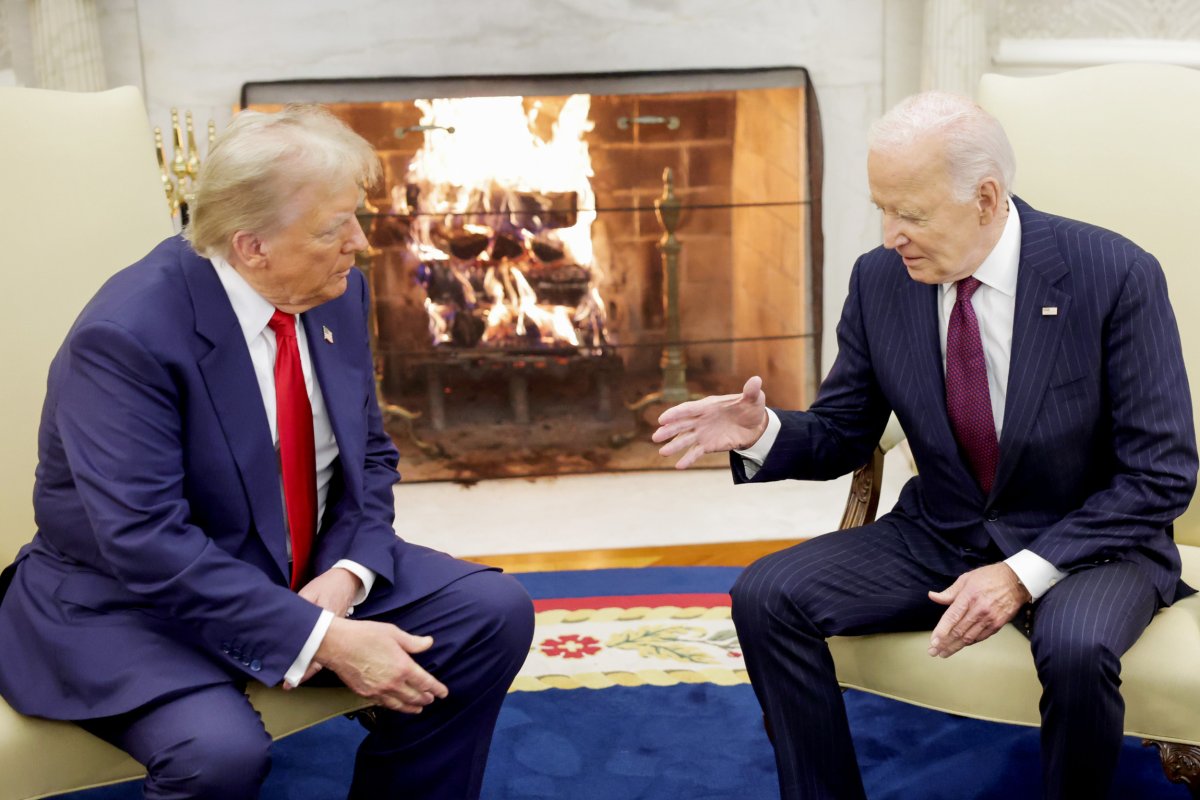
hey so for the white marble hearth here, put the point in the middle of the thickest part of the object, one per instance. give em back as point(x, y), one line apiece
point(613, 510)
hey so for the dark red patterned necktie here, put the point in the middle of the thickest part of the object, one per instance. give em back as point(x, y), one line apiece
point(297, 451)
point(968, 401)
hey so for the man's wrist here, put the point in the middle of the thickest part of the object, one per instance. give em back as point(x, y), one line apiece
point(1035, 573)
point(761, 446)
point(311, 646)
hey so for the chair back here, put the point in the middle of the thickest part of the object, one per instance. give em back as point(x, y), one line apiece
point(1112, 145)
point(80, 197)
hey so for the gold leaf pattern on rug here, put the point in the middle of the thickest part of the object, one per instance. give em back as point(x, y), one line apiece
point(662, 646)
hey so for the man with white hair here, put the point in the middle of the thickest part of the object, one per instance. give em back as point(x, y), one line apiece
point(1035, 365)
point(214, 502)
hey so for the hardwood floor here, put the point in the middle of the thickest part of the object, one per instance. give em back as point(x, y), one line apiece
point(723, 554)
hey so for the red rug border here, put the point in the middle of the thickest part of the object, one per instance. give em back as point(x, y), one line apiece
point(701, 599)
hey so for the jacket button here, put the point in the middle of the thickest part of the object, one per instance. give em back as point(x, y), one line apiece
point(993, 515)
point(255, 665)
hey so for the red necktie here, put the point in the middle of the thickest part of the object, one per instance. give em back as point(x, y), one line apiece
point(297, 453)
point(968, 401)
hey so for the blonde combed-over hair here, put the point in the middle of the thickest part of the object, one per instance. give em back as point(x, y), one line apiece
point(261, 161)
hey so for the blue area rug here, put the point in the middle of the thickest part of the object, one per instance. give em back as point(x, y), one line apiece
point(696, 742)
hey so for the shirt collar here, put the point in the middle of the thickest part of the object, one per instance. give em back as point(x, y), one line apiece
point(252, 310)
point(999, 269)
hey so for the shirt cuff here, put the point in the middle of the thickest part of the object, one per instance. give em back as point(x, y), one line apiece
point(363, 574)
point(756, 454)
point(1035, 572)
point(296, 672)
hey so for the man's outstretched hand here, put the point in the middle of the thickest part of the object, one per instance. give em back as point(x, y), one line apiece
point(714, 424)
point(980, 602)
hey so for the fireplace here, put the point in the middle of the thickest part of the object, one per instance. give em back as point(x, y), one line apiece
point(527, 267)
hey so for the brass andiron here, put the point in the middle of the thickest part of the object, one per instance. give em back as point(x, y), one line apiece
point(674, 365)
point(179, 172)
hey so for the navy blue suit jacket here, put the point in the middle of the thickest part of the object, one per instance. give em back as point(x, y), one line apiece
point(160, 560)
point(1097, 450)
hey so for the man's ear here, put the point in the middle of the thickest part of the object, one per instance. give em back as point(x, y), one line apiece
point(990, 201)
point(249, 249)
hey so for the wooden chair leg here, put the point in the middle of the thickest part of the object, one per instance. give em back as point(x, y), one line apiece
point(1180, 763)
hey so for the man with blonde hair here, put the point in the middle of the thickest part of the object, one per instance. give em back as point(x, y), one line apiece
point(1036, 368)
point(214, 502)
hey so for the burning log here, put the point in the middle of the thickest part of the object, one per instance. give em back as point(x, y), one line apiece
point(467, 329)
point(560, 285)
point(507, 246)
point(466, 244)
point(547, 249)
point(538, 211)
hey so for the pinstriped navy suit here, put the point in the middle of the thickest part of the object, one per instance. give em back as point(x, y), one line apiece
point(1097, 458)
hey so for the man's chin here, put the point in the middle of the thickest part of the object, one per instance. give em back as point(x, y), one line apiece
point(918, 270)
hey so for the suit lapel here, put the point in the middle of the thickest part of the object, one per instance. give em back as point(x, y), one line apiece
point(928, 376)
point(232, 386)
point(340, 385)
point(1036, 336)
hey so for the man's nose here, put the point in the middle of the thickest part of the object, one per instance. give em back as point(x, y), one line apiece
point(893, 236)
point(358, 239)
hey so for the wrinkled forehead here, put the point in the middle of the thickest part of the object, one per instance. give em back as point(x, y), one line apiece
point(321, 203)
point(912, 169)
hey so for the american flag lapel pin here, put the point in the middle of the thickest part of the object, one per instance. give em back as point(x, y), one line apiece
point(328, 334)
point(1047, 311)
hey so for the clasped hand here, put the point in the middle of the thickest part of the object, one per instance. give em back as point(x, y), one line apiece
point(714, 424)
point(980, 602)
point(373, 659)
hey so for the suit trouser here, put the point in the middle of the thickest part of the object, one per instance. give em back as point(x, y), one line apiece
point(210, 743)
point(868, 580)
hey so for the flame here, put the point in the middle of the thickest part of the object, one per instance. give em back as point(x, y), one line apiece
point(471, 181)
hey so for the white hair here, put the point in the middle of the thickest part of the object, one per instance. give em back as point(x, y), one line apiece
point(976, 146)
point(261, 161)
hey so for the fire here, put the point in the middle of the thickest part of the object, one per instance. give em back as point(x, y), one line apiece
point(502, 223)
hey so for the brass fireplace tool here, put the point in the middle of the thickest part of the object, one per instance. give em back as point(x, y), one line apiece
point(674, 365)
point(179, 172)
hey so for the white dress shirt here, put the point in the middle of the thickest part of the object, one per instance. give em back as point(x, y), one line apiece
point(995, 307)
point(253, 312)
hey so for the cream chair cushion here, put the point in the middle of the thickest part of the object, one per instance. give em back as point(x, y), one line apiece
point(80, 198)
point(995, 679)
point(40, 757)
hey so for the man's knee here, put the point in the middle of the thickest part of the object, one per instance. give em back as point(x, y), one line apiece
point(1075, 658)
point(213, 763)
point(503, 614)
point(759, 592)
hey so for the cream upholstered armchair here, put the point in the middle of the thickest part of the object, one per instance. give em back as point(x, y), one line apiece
point(80, 198)
point(1114, 146)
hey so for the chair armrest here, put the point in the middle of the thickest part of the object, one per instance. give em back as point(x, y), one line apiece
point(863, 501)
